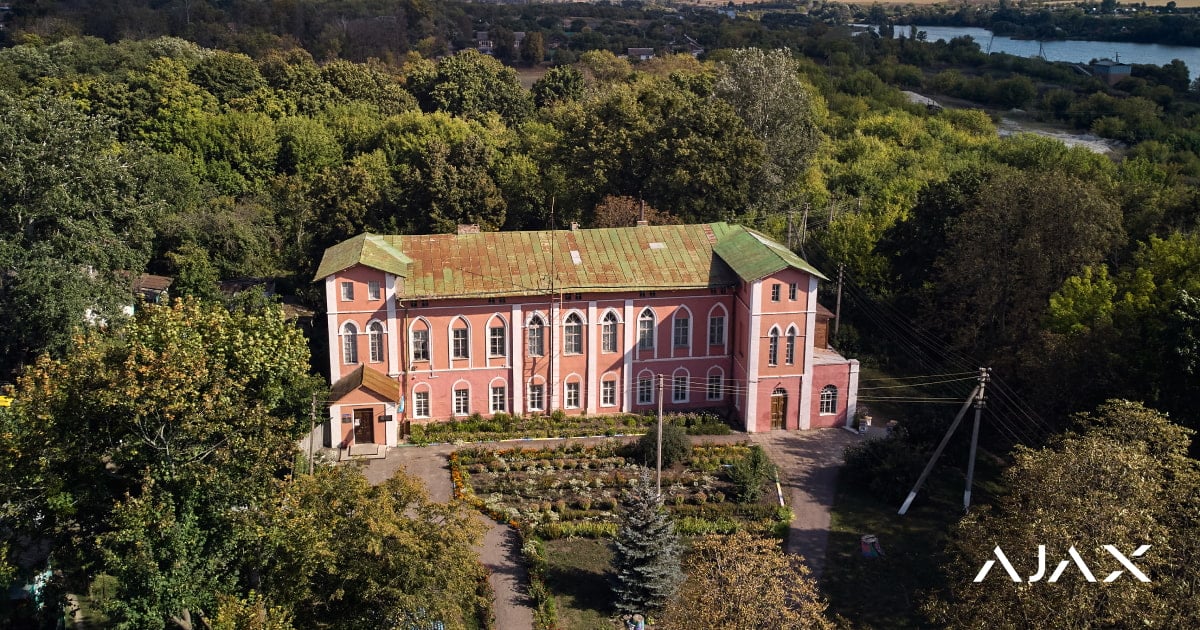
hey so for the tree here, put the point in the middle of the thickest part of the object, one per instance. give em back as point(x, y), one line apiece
point(76, 225)
point(676, 445)
point(1121, 478)
point(625, 212)
point(470, 84)
point(134, 453)
point(645, 552)
point(766, 91)
point(560, 83)
point(533, 48)
point(750, 473)
point(743, 581)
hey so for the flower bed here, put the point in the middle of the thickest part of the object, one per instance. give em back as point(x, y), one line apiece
point(503, 426)
point(576, 490)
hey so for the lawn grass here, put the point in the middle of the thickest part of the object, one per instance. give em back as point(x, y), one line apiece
point(577, 576)
point(887, 592)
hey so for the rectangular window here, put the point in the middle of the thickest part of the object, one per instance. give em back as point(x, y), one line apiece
point(775, 292)
point(789, 349)
point(608, 336)
point(645, 390)
point(462, 349)
point(537, 344)
point(716, 330)
point(462, 402)
point(608, 393)
point(573, 338)
point(347, 291)
point(537, 397)
point(349, 348)
point(572, 396)
point(420, 345)
point(715, 390)
point(683, 332)
point(497, 341)
point(679, 389)
point(421, 404)
point(792, 291)
point(773, 349)
point(645, 334)
point(374, 291)
point(499, 398)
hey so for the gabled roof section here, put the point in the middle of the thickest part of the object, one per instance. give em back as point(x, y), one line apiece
point(753, 256)
point(366, 378)
point(369, 250)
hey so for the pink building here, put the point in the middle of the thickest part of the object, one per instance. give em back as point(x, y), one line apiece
point(432, 327)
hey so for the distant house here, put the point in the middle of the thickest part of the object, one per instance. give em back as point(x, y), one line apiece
point(640, 54)
point(483, 42)
point(1112, 72)
point(153, 289)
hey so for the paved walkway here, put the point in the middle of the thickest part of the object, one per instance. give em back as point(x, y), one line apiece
point(808, 463)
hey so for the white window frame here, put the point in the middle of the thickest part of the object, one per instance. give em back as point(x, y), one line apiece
point(646, 336)
point(718, 321)
point(645, 385)
point(776, 290)
point(608, 393)
point(374, 290)
point(502, 391)
point(501, 342)
point(792, 287)
point(422, 348)
point(773, 347)
point(376, 343)
point(536, 330)
point(421, 404)
point(347, 291)
point(608, 333)
point(540, 388)
point(573, 334)
point(572, 389)
point(682, 322)
point(465, 388)
point(460, 344)
point(349, 344)
point(715, 389)
point(789, 346)
point(829, 396)
point(680, 392)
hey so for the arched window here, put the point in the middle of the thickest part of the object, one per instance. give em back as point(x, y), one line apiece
point(460, 339)
point(773, 347)
point(789, 355)
point(646, 330)
point(716, 326)
point(573, 335)
point(679, 386)
point(828, 400)
point(497, 337)
point(608, 333)
point(536, 333)
point(419, 340)
point(349, 344)
point(375, 335)
point(716, 384)
point(681, 329)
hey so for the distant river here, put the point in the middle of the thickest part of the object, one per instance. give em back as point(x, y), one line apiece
point(1078, 51)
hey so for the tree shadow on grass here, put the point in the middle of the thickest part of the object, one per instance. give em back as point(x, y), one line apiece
point(589, 590)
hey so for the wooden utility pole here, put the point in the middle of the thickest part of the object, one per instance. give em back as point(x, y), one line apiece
point(312, 430)
point(658, 465)
point(804, 226)
point(984, 376)
point(837, 312)
point(791, 229)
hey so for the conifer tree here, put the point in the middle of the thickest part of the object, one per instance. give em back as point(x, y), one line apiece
point(646, 552)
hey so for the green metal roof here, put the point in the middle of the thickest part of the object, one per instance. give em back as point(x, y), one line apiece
point(598, 260)
point(365, 249)
point(752, 255)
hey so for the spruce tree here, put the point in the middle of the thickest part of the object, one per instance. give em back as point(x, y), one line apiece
point(645, 552)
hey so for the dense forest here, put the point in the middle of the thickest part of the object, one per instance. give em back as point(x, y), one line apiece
point(259, 134)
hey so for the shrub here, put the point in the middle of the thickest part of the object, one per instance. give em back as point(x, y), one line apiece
point(886, 467)
point(675, 445)
point(750, 473)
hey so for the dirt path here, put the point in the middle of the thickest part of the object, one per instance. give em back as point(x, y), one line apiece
point(808, 463)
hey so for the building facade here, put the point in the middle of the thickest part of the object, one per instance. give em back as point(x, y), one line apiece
point(432, 327)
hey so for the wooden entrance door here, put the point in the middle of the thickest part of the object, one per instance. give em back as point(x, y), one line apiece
point(364, 426)
point(778, 407)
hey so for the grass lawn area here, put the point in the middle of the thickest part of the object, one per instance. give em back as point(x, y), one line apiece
point(576, 574)
point(887, 592)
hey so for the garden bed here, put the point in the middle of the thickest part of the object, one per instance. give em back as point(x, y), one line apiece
point(502, 426)
point(574, 490)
